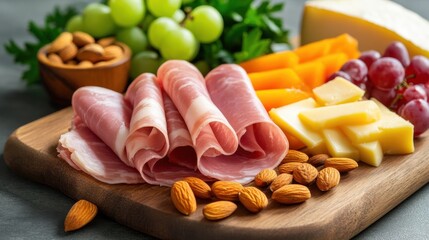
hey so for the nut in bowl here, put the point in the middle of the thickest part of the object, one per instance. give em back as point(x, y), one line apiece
point(68, 64)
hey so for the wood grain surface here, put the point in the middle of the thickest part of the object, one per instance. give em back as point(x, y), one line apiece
point(363, 195)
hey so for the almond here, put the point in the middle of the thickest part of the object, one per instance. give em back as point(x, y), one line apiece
point(318, 159)
point(219, 210)
point(85, 64)
point(91, 52)
point(80, 214)
point(295, 156)
point(292, 193)
point(107, 41)
point(253, 199)
point(288, 167)
point(81, 39)
point(265, 177)
point(227, 190)
point(71, 63)
point(200, 188)
point(68, 53)
point(280, 181)
point(305, 173)
point(328, 178)
point(341, 164)
point(183, 198)
point(112, 52)
point(62, 41)
point(55, 59)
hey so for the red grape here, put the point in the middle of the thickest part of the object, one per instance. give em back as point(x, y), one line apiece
point(426, 88)
point(339, 74)
point(386, 73)
point(418, 70)
point(399, 51)
point(414, 92)
point(417, 112)
point(356, 69)
point(368, 57)
point(385, 97)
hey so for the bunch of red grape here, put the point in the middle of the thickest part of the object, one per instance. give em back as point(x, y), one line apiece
point(400, 83)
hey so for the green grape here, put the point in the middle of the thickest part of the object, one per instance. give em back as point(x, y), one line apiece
point(146, 61)
point(74, 24)
point(179, 43)
point(163, 8)
point(134, 37)
point(205, 23)
point(178, 16)
point(97, 20)
point(127, 13)
point(147, 20)
point(159, 28)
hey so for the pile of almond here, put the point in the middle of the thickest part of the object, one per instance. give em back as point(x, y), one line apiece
point(81, 50)
point(287, 184)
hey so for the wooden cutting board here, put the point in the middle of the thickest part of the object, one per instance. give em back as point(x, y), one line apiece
point(363, 196)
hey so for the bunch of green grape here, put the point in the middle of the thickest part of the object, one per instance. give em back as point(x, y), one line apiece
point(155, 30)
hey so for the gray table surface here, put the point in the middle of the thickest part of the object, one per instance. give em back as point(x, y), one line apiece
point(33, 211)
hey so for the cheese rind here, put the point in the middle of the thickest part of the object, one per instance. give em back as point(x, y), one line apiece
point(361, 112)
point(374, 23)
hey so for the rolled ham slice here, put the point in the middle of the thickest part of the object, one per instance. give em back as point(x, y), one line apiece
point(210, 132)
point(147, 141)
point(181, 150)
point(106, 114)
point(262, 144)
point(83, 150)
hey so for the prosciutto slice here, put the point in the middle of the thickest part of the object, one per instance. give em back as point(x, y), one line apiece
point(106, 114)
point(210, 132)
point(181, 150)
point(147, 141)
point(262, 144)
point(83, 150)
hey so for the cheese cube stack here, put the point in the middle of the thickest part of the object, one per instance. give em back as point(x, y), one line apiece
point(346, 126)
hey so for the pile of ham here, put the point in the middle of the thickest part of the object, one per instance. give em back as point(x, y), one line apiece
point(173, 125)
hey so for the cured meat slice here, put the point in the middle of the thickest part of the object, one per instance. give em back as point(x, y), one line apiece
point(147, 141)
point(181, 150)
point(210, 132)
point(261, 142)
point(83, 150)
point(106, 114)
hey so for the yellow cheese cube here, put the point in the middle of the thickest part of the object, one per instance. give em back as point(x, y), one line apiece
point(338, 145)
point(397, 134)
point(354, 113)
point(286, 118)
point(337, 91)
point(362, 133)
point(370, 153)
point(374, 23)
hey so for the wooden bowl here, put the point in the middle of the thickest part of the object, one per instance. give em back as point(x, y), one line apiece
point(62, 80)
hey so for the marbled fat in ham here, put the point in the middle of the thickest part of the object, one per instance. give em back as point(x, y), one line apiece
point(210, 132)
point(83, 150)
point(147, 141)
point(106, 114)
point(262, 144)
point(181, 150)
